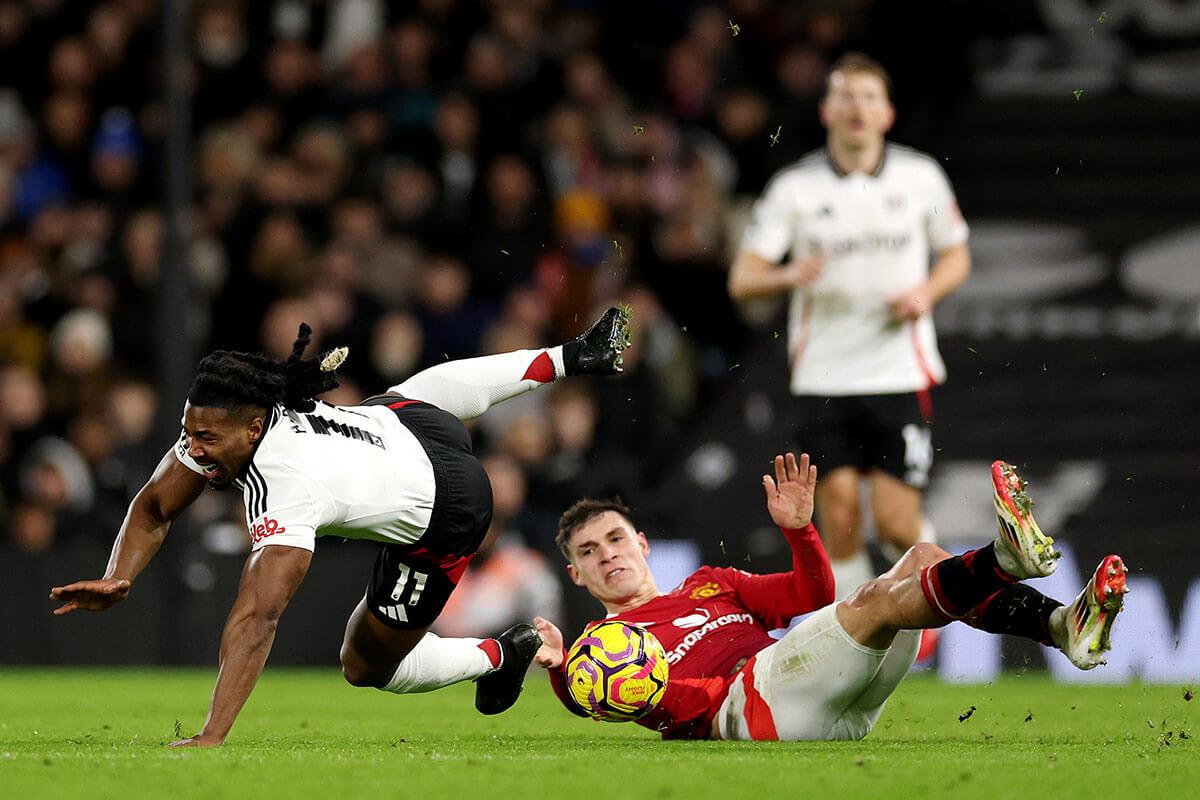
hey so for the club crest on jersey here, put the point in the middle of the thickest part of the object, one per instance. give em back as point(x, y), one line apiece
point(710, 589)
point(268, 527)
point(692, 620)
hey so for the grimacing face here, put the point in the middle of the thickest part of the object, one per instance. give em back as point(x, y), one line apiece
point(221, 440)
point(608, 556)
point(856, 110)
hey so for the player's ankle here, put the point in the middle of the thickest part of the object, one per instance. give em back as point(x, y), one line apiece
point(1058, 626)
point(1006, 560)
point(570, 356)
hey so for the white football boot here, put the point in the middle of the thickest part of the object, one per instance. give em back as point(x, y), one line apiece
point(1083, 629)
point(1022, 550)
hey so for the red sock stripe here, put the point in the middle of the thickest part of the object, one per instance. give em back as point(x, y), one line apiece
point(931, 587)
point(541, 369)
point(492, 648)
point(759, 721)
point(1004, 576)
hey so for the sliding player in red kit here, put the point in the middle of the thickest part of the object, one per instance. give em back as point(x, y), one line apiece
point(830, 676)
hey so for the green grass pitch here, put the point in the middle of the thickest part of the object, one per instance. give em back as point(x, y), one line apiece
point(100, 733)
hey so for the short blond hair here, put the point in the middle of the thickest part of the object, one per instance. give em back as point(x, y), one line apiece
point(862, 63)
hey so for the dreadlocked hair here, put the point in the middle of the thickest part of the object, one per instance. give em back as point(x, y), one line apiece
point(228, 379)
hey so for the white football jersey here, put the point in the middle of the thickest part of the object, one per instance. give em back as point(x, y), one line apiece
point(355, 472)
point(877, 232)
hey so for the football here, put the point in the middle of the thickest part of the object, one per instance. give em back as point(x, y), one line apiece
point(617, 672)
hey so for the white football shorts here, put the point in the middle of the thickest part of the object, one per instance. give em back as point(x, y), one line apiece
point(815, 683)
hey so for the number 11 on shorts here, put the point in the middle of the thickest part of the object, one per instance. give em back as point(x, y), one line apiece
point(419, 579)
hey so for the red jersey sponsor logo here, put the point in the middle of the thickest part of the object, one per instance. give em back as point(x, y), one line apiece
point(692, 620)
point(694, 636)
point(268, 527)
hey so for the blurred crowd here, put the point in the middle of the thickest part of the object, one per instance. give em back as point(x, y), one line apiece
point(421, 181)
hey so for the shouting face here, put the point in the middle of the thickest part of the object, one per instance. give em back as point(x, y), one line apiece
point(222, 440)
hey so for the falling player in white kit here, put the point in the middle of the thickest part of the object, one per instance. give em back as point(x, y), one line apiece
point(397, 469)
point(860, 218)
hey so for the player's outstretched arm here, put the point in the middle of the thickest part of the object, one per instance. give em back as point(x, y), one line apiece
point(790, 492)
point(270, 578)
point(171, 489)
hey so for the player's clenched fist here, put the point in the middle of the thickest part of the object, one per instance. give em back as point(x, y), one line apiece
point(549, 655)
point(89, 595)
point(790, 492)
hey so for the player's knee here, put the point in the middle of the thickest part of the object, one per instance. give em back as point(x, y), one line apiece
point(917, 558)
point(840, 525)
point(357, 673)
point(927, 554)
point(899, 529)
point(871, 594)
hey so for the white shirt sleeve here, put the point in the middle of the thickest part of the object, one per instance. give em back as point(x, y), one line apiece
point(771, 228)
point(280, 508)
point(944, 223)
point(181, 453)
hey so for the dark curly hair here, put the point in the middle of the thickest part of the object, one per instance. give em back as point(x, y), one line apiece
point(227, 379)
point(581, 513)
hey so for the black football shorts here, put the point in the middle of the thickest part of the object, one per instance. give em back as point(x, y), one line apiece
point(888, 432)
point(412, 582)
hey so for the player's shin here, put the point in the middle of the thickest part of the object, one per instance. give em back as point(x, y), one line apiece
point(1018, 610)
point(436, 662)
point(956, 585)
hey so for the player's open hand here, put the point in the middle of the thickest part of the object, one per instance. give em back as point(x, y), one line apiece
point(549, 655)
point(89, 595)
point(790, 492)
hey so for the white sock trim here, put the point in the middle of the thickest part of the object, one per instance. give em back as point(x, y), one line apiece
point(556, 356)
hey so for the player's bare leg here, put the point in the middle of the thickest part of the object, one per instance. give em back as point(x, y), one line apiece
point(981, 588)
point(874, 613)
point(896, 507)
point(840, 522)
point(371, 651)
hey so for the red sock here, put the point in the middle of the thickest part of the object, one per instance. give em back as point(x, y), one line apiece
point(956, 585)
point(492, 648)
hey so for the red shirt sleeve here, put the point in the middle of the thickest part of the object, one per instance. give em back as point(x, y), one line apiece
point(558, 682)
point(776, 598)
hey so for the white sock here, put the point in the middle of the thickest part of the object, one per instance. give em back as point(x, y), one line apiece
point(1058, 625)
point(471, 386)
point(436, 662)
point(850, 573)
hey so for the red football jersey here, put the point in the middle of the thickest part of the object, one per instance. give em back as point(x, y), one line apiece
point(713, 623)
